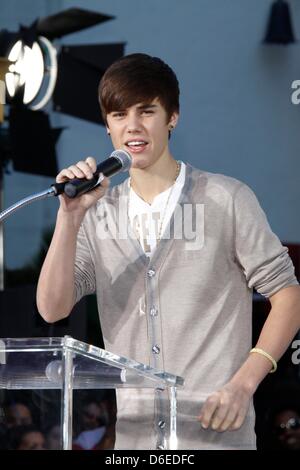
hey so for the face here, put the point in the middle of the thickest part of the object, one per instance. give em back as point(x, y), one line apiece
point(287, 426)
point(53, 438)
point(143, 131)
point(18, 415)
point(92, 416)
point(32, 441)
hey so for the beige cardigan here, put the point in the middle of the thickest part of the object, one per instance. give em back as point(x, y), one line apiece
point(188, 309)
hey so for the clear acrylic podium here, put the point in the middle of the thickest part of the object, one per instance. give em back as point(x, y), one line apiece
point(66, 364)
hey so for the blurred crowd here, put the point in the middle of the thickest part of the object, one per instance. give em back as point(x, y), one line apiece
point(32, 421)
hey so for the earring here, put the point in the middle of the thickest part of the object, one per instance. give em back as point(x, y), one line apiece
point(108, 132)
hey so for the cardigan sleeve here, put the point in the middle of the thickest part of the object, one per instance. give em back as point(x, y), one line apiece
point(264, 260)
point(85, 282)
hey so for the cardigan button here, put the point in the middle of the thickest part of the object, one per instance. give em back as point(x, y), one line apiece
point(153, 312)
point(151, 273)
point(156, 349)
point(161, 424)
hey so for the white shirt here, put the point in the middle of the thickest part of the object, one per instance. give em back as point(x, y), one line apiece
point(149, 221)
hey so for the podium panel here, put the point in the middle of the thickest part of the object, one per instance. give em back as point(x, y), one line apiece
point(56, 367)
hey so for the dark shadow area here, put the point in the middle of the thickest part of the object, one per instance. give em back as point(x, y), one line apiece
point(279, 392)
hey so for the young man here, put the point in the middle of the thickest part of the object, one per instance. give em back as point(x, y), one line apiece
point(178, 303)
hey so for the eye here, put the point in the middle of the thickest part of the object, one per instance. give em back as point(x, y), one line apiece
point(148, 111)
point(119, 114)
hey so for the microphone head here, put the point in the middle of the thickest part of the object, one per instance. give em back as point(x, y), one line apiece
point(124, 158)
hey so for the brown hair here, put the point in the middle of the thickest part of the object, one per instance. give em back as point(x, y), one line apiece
point(138, 78)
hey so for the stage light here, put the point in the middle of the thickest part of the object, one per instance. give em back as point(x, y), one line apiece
point(27, 71)
point(32, 68)
point(31, 78)
point(4, 64)
point(41, 71)
point(35, 69)
point(280, 28)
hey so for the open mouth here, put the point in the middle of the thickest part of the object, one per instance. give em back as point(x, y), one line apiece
point(136, 146)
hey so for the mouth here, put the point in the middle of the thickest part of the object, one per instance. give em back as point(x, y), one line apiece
point(136, 146)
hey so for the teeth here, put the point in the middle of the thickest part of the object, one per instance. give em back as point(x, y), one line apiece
point(136, 142)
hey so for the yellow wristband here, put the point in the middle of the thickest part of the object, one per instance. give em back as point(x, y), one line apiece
point(264, 353)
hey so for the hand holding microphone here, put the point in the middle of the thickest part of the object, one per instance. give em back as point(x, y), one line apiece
point(84, 178)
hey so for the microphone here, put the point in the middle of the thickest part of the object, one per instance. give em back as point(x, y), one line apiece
point(119, 160)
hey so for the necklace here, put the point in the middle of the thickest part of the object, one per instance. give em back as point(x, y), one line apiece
point(136, 225)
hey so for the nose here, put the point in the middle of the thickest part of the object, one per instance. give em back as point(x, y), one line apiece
point(133, 123)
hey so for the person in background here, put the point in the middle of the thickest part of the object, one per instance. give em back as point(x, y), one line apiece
point(27, 437)
point(53, 439)
point(287, 429)
point(17, 414)
point(94, 421)
point(282, 420)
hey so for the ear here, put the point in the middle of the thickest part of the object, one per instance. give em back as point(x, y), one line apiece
point(173, 120)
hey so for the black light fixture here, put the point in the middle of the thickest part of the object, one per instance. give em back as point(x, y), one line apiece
point(32, 137)
point(82, 67)
point(280, 27)
point(33, 72)
point(39, 70)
